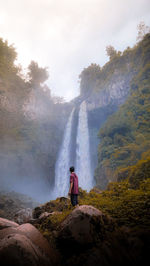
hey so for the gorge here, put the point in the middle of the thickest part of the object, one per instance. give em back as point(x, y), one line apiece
point(42, 136)
point(105, 134)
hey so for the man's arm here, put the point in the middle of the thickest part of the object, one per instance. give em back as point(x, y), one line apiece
point(71, 185)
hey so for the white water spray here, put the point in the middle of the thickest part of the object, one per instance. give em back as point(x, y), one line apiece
point(62, 165)
point(83, 162)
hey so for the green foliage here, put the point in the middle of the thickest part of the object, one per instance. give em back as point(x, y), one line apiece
point(127, 206)
point(111, 52)
point(88, 78)
point(139, 172)
point(53, 221)
point(7, 57)
point(126, 134)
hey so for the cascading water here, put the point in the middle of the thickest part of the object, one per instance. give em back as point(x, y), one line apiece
point(62, 165)
point(82, 150)
point(83, 162)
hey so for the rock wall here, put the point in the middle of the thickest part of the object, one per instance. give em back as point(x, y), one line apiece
point(115, 91)
point(112, 90)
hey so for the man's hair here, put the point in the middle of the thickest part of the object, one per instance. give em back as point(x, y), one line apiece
point(72, 169)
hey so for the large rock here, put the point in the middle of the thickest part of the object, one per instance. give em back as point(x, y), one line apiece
point(16, 249)
point(24, 245)
point(4, 223)
point(86, 225)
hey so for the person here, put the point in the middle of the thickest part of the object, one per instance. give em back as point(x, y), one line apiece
point(73, 190)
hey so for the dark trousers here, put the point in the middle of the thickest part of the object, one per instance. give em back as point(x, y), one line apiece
point(74, 199)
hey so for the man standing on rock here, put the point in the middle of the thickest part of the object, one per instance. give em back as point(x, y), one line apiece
point(73, 191)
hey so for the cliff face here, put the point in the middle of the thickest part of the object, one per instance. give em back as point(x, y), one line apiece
point(105, 90)
point(110, 84)
point(102, 103)
point(124, 138)
point(115, 91)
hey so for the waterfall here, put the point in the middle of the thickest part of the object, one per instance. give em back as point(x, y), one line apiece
point(83, 162)
point(62, 173)
point(82, 152)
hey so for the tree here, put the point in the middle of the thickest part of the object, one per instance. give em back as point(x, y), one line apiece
point(88, 78)
point(37, 75)
point(142, 30)
point(7, 57)
point(111, 52)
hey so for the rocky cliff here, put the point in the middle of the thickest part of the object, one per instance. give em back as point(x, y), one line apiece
point(125, 136)
point(106, 89)
point(115, 91)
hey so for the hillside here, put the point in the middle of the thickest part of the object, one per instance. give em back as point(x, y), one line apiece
point(106, 88)
point(31, 126)
point(123, 226)
point(125, 137)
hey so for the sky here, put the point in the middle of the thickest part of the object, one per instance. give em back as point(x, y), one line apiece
point(68, 35)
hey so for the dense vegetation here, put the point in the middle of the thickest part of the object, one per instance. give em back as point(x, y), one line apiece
point(106, 88)
point(95, 78)
point(128, 206)
point(125, 137)
point(31, 125)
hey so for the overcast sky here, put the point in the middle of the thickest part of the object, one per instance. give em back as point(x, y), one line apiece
point(68, 35)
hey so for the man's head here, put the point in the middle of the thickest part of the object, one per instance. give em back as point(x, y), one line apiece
point(72, 169)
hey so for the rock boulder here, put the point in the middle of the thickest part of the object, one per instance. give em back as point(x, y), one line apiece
point(4, 223)
point(17, 249)
point(86, 225)
point(24, 245)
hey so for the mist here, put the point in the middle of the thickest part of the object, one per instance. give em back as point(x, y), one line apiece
point(23, 175)
point(64, 38)
point(31, 133)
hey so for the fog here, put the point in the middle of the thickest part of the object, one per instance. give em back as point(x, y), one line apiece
point(20, 171)
point(65, 36)
point(29, 142)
